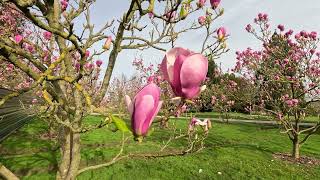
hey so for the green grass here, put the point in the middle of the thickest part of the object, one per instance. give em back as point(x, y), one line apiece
point(242, 116)
point(233, 115)
point(232, 152)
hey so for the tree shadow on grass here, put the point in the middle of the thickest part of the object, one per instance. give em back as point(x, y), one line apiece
point(37, 159)
point(217, 143)
point(26, 164)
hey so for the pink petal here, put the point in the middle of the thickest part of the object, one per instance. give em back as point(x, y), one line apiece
point(150, 89)
point(193, 73)
point(18, 38)
point(176, 83)
point(129, 104)
point(147, 124)
point(191, 93)
point(169, 60)
point(143, 108)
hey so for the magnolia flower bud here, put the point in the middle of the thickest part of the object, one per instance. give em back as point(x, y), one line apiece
point(108, 43)
point(221, 33)
point(214, 3)
point(184, 12)
point(143, 109)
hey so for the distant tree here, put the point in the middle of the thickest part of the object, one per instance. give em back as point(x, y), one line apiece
point(58, 63)
point(286, 76)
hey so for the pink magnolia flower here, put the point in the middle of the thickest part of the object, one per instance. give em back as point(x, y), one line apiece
point(281, 27)
point(183, 108)
point(295, 101)
point(213, 100)
point(233, 84)
point(9, 68)
point(201, 3)
point(205, 124)
point(87, 54)
point(143, 109)
point(34, 101)
point(221, 33)
point(223, 98)
point(304, 33)
point(313, 35)
point(202, 20)
point(64, 5)
point(248, 28)
point(285, 61)
point(276, 77)
point(297, 36)
point(108, 43)
point(18, 38)
point(170, 14)
point(185, 71)
point(215, 3)
point(267, 26)
point(292, 102)
point(99, 63)
point(279, 115)
point(150, 79)
point(30, 48)
point(47, 35)
point(311, 85)
point(312, 51)
point(151, 15)
point(289, 33)
point(77, 66)
point(89, 66)
point(159, 78)
point(265, 17)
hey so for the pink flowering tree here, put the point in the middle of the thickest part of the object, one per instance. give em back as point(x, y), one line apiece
point(12, 25)
point(119, 87)
point(220, 95)
point(57, 63)
point(286, 76)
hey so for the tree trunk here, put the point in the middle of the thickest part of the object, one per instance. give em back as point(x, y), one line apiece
point(296, 147)
point(227, 117)
point(70, 156)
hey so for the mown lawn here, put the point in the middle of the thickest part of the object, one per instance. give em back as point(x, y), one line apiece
point(242, 116)
point(232, 152)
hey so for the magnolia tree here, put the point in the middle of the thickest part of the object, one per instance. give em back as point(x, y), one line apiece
point(51, 55)
point(119, 87)
point(225, 93)
point(286, 74)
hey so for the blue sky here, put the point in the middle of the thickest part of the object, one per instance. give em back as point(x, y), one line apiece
point(294, 14)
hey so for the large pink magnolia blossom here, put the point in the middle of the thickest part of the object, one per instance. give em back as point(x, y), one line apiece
point(185, 71)
point(143, 109)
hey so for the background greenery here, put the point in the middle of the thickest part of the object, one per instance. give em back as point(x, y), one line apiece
point(233, 151)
